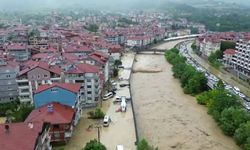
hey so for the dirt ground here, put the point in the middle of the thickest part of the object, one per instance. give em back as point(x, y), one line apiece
point(167, 117)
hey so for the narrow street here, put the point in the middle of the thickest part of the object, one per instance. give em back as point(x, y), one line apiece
point(225, 76)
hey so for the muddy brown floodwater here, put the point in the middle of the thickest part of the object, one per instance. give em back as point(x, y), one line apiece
point(167, 117)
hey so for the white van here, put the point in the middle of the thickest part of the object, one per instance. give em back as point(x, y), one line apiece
point(123, 104)
point(119, 147)
point(106, 120)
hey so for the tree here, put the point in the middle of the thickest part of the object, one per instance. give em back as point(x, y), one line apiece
point(97, 114)
point(213, 59)
point(22, 113)
point(143, 145)
point(242, 134)
point(203, 98)
point(115, 72)
point(220, 100)
point(93, 28)
point(117, 63)
point(197, 84)
point(226, 45)
point(231, 119)
point(94, 145)
point(220, 85)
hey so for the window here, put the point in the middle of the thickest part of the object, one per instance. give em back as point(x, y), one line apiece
point(56, 134)
point(38, 76)
point(8, 76)
point(89, 92)
point(45, 76)
point(24, 90)
point(88, 80)
point(88, 86)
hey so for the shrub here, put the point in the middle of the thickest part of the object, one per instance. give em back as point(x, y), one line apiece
point(94, 145)
point(97, 114)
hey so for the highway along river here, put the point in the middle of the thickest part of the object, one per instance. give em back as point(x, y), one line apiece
point(168, 118)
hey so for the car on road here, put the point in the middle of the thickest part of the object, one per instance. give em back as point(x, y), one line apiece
point(108, 95)
point(119, 147)
point(242, 95)
point(106, 120)
point(124, 84)
point(114, 84)
point(246, 99)
point(121, 67)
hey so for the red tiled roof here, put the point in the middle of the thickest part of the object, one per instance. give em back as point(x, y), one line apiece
point(83, 68)
point(62, 114)
point(99, 57)
point(20, 136)
point(73, 87)
point(43, 65)
point(230, 51)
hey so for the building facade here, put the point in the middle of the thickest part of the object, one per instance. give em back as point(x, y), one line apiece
point(64, 93)
point(34, 75)
point(8, 84)
point(241, 60)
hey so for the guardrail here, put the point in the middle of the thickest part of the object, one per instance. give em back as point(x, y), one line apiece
point(132, 105)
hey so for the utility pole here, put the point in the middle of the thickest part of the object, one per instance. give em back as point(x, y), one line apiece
point(98, 126)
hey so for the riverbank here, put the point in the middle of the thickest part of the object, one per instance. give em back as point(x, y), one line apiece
point(167, 117)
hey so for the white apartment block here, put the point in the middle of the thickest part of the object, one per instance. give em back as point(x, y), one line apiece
point(241, 60)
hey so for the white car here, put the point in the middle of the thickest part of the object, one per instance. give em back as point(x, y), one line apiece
point(119, 147)
point(106, 120)
point(108, 96)
point(242, 95)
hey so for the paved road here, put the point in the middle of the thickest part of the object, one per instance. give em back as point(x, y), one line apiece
point(225, 76)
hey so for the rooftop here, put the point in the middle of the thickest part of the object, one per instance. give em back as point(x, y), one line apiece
point(61, 114)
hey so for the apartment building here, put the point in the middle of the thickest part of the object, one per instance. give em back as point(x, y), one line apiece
point(209, 45)
point(89, 78)
point(19, 52)
point(241, 60)
point(34, 75)
point(8, 85)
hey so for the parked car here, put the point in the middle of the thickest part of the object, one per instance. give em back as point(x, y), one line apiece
point(114, 84)
point(121, 67)
point(242, 95)
point(106, 120)
point(119, 147)
point(246, 99)
point(124, 84)
point(108, 95)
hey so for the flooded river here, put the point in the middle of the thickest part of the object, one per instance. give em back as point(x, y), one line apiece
point(167, 117)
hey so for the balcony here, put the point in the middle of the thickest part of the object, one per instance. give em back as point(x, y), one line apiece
point(22, 80)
